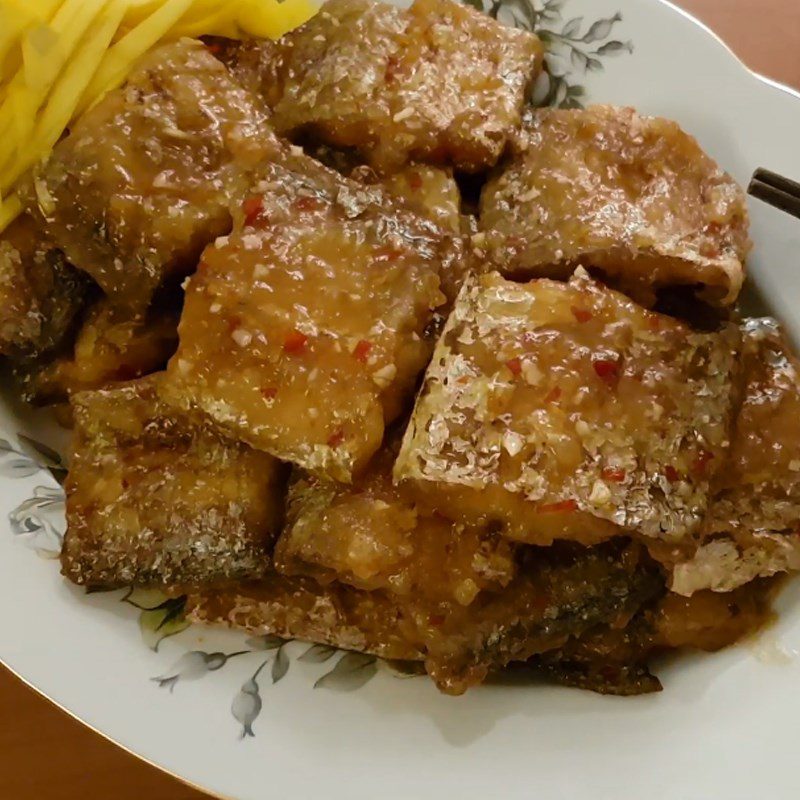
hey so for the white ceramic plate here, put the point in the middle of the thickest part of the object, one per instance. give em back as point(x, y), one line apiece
point(726, 724)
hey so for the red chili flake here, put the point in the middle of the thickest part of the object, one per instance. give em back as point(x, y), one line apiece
point(606, 369)
point(306, 204)
point(415, 181)
point(515, 365)
point(699, 464)
point(214, 47)
point(362, 350)
point(613, 474)
point(562, 507)
point(295, 342)
point(392, 64)
point(269, 393)
point(671, 473)
point(581, 314)
point(387, 253)
point(252, 208)
point(234, 322)
point(336, 438)
point(553, 395)
point(436, 619)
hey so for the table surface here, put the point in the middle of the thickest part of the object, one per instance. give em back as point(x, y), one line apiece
point(46, 755)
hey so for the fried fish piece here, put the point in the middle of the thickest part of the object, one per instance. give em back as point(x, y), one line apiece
point(41, 295)
point(111, 346)
point(633, 197)
point(144, 179)
point(370, 536)
point(564, 410)
point(614, 660)
point(560, 592)
point(753, 524)
point(438, 82)
point(304, 331)
point(157, 498)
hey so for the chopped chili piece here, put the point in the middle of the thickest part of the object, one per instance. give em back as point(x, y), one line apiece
point(671, 473)
point(362, 350)
point(553, 395)
point(515, 365)
point(606, 369)
point(613, 474)
point(306, 203)
point(415, 180)
point(295, 342)
point(336, 438)
point(269, 393)
point(700, 463)
point(252, 208)
point(234, 322)
point(562, 507)
point(214, 47)
point(436, 619)
point(581, 314)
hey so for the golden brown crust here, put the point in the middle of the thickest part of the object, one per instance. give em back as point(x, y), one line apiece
point(155, 498)
point(144, 179)
point(566, 411)
point(439, 82)
point(753, 524)
point(633, 196)
point(304, 331)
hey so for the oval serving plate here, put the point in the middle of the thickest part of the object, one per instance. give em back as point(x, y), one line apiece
point(251, 718)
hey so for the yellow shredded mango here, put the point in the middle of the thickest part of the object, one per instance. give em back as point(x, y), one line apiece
point(59, 57)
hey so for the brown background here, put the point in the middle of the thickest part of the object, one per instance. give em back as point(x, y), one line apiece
point(45, 755)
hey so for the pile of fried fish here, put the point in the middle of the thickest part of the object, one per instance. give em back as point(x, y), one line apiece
point(360, 348)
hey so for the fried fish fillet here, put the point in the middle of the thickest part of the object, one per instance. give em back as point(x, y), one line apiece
point(144, 179)
point(111, 346)
point(156, 498)
point(753, 524)
point(41, 295)
point(564, 410)
point(614, 660)
point(560, 592)
point(438, 82)
point(370, 536)
point(633, 197)
point(304, 331)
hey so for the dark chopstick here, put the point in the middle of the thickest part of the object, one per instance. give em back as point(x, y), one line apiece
point(776, 190)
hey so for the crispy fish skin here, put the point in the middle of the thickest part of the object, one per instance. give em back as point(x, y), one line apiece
point(370, 536)
point(303, 332)
point(111, 346)
point(155, 498)
point(439, 82)
point(614, 660)
point(144, 179)
point(752, 525)
point(631, 196)
point(561, 592)
point(41, 295)
point(566, 411)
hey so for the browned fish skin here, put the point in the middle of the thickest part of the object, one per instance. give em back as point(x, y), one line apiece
point(561, 592)
point(633, 196)
point(752, 525)
point(567, 411)
point(370, 536)
point(111, 346)
point(303, 332)
point(40, 294)
point(155, 498)
point(144, 179)
point(439, 82)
